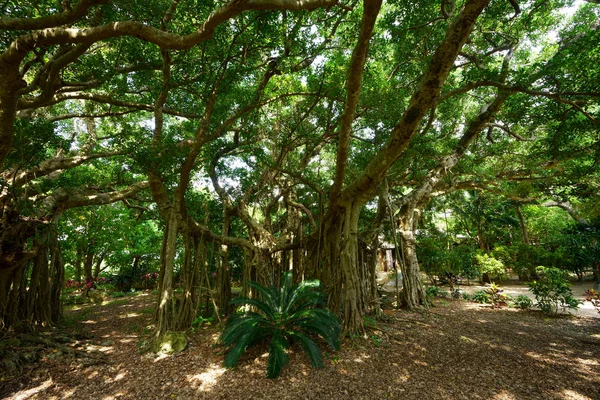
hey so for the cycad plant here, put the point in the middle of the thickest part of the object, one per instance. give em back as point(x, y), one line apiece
point(284, 316)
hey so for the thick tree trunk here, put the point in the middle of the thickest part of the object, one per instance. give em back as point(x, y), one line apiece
point(340, 274)
point(373, 293)
point(42, 314)
point(134, 265)
point(87, 266)
point(57, 268)
point(297, 258)
point(413, 294)
point(98, 265)
point(188, 304)
point(523, 226)
point(224, 272)
point(166, 306)
point(353, 295)
point(78, 262)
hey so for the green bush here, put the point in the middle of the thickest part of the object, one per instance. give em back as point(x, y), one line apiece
point(496, 297)
point(435, 291)
point(281, 315)
point(522, 301)
point(481, 297)
point(553, 291)
point(492, 266)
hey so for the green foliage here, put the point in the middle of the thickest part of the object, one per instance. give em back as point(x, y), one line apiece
point(553, 291)
point(169, 343)
point(497, 298)
point(437, 260)
point(481, 297)
point(200, 320)
point(282, 315)
point(522, 302)
point(435, 291)
point(492, 266)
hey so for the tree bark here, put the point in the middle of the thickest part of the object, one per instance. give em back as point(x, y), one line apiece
point(523, 226)
point(224, 272)
point(87, 266)
point(166, 306)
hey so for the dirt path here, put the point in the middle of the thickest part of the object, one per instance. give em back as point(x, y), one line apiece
point(514, 289)
point(586, 309)
point(457, 350)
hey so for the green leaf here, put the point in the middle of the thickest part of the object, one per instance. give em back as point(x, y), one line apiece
point(277, 355)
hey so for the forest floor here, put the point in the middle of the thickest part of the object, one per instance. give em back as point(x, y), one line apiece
point(456, 350)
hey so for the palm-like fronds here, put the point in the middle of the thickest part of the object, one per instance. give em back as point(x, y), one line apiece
point(282, 315)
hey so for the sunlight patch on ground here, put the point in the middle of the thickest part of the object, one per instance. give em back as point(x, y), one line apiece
point(67, 393)
point(403, 378)
point(587, 362)
point(539, 357)
point(89, 321)
point(362, 358)
point(573, 395)
point(161, 357)
point(118, 395)
point(468, 339)
point(32, 392)
point(93, 375)
point(120, 376)
point(504, 395)
point(130, 315)
point(207, 379)
point(103, 349)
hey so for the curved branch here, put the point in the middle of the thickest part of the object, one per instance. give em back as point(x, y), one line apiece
point(49, 166)
point(66, 17)
point(568, 207)
point(53, 36)
point(64, 199)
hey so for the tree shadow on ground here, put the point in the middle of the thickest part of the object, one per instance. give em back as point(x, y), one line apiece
point(455, 351)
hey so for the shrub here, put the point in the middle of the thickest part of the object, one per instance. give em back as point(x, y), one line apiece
point(481, 297)
point(497, 298)
point(491, 266)
point(435, 291)
point(523, 302)
point(281, 315)
point(553, 291)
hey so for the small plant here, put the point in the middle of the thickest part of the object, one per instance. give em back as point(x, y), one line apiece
point(593, 297)
point(281, 315)
point(481, 297)
point(376, 340)
point(117, 294)
point(453, 281)
point(496, 297)
point(553, 291)
point(200, 320)
point(435, 291)
point(522, 302)
point(467, 296)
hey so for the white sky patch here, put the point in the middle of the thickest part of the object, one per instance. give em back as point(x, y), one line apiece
point(148, 124)
point(318, 62)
